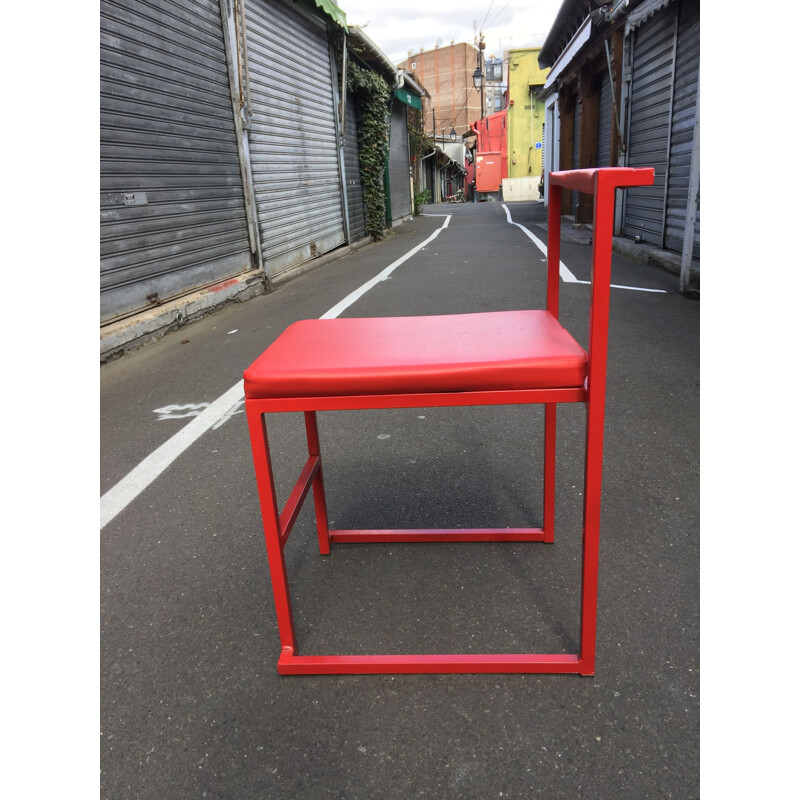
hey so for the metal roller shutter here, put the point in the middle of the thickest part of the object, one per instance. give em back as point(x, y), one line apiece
point(687, 66)
point(399, 175)
point(649, 123)
point(293, 140)
point(543, 150)
point(355, 191)
point(172, 215)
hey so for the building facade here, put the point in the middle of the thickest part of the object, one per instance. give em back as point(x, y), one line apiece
point(623, 89)
point(495, 70)
point(525, 114)
point(446, 73)
point(228, 149)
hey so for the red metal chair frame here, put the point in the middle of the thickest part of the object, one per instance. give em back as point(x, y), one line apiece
point(602, 183)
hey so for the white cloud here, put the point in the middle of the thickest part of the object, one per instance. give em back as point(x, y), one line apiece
point(399, 27)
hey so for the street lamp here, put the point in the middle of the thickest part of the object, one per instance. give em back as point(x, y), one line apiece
point(453, 132)
point(477, 80)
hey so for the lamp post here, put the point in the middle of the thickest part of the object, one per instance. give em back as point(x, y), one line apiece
point(477, 76)
point(477, 81)
point(453, 135)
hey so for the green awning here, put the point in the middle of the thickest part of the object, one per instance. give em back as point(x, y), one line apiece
point(408, 98)
point(333, 11)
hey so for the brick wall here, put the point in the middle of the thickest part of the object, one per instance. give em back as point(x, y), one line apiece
point(446, 72)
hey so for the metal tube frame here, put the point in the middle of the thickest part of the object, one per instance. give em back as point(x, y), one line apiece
point(278, 523)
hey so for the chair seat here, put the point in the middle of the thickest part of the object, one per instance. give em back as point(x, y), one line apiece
point(399, 355)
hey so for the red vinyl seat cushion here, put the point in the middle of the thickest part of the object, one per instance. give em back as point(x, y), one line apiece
point(405, 355)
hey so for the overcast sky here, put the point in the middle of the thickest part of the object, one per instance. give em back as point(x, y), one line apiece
point(397, 27)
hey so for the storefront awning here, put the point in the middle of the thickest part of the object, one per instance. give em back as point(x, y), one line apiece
point(643, 12)
point(333, 11)
point(580, 38)
point(408, 98)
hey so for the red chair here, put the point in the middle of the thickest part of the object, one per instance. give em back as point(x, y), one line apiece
point(495, 358)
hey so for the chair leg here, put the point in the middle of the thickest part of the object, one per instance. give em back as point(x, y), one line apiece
point(549, 495)
point(270, 516)
point(318, 487)
point(593, 476)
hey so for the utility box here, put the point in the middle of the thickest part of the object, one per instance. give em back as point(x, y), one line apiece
point(520, 189)
point(488, 171)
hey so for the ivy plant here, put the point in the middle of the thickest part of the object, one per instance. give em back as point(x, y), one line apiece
point(371, 95)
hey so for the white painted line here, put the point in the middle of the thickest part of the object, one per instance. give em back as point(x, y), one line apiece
point(619, 286)
point(141, 476)
point(382, 276)
point(634, 288)
point(563, 270)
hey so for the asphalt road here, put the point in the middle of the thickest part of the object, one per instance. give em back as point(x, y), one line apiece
point(191, 702)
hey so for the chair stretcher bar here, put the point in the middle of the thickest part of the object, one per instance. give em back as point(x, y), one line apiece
point(290, 664)
point(295, 502)
point(439, 535)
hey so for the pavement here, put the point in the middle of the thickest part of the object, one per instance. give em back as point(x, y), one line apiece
point(191, 702)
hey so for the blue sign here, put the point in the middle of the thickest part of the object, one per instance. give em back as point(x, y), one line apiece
point(538, 145)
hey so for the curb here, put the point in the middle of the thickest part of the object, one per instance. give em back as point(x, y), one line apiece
point(150, 325)
point(641, 252)
point(646, 254)
point(147, 327)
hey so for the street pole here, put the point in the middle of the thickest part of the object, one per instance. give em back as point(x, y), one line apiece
point(483, 82)
point(482, 60)
point(436, 193)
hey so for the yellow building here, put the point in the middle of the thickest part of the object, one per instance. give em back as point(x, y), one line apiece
point(525, 114)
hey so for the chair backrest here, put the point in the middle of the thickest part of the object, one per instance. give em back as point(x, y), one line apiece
point(602, 183)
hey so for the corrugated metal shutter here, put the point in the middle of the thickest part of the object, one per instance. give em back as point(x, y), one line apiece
point(293, 147)
point(605, 121)
point(648, 132)
point(543, 151)
point(172, 215)
point(355, 191)
point(399, 175)
point(687, 67)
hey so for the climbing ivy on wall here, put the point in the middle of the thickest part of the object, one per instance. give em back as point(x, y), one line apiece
point(418, 144)
point(417, 141)
point(371, 95)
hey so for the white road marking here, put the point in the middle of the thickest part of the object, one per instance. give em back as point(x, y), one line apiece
point(140, 477)
point(382, 276)
point(174, 411)
point(563, 270)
